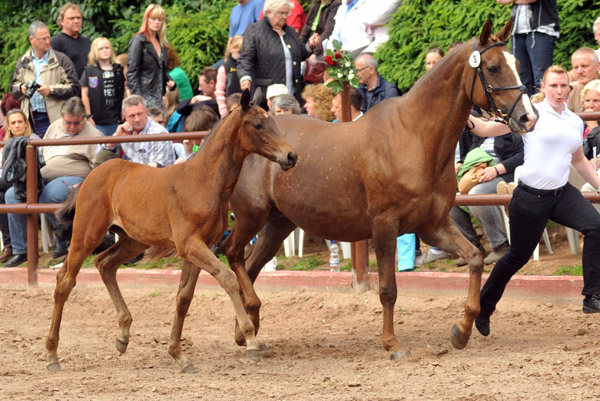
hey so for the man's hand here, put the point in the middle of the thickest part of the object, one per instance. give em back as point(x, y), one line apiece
point(246, 85)
point(44, 90)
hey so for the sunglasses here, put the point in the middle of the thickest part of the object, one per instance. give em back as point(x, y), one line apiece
point(13, 111)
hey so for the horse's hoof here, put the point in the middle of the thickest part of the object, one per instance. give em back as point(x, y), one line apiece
point(458, 339)
point(53, 366)
point(121, 345)
point(189, 369)
point(401, 355)
point(265, 351)
point(254, 355)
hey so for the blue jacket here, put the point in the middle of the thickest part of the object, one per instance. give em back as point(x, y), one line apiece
point(383, 90)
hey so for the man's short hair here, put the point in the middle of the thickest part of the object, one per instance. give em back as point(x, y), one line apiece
point(368, 59)
point(33, 28)
point(156, 112)
point(209, 73)
point(355, 98)
point(202, 119)
point(235, 99)
point(63, 10)
point(73, 106)
point(133, 100)
point(586, 51)
point(596, 25)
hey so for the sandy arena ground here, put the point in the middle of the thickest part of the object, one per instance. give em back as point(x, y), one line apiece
point(326, 346)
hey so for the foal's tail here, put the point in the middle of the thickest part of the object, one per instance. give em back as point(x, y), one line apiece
point(66, 214)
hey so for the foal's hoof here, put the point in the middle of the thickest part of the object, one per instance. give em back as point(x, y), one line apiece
point(53, 366)
point(189, 369)
point(254, 354)
point(401, 355)
point(121, 345)
point(458, 339)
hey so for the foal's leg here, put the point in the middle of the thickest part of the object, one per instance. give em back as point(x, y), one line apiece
point(187, 285)
point(108, 263)
point(270, 238)
point(199, 254)
point(82, 245)
point(450, 239)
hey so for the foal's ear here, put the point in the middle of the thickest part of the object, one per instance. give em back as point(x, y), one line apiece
point(245, 102)
point(504, 32)
point(486, 31)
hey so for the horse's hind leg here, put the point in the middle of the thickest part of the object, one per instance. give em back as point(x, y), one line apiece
point(187, 285)
point(198, 253)
point(270, 238)
point(107, 263)
point(82, 245)
point(449, 238)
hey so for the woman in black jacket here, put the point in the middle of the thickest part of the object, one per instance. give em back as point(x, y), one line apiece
point(147, 66)
point(271, 53)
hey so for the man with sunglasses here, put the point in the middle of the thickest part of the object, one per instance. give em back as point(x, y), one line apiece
point(66, 166)
point(373, 87)
point(43, 80)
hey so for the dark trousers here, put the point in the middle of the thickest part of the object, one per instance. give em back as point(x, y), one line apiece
point(534, 52)
point(4, 186)
point(39, 123)
point(529, 212)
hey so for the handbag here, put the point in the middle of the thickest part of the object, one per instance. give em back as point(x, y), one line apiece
point(314, 70)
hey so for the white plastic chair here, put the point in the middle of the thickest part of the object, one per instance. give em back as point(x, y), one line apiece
point(47, 233)
point(289, 245)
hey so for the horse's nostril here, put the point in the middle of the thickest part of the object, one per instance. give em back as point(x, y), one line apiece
point(292, 158)
point(524, 118)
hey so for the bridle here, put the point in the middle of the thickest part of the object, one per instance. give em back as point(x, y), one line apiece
point(475, 63)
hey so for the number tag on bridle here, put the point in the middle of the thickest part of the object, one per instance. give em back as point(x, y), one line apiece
point(475, 59)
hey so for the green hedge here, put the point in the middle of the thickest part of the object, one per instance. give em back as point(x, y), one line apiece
point(419, 25)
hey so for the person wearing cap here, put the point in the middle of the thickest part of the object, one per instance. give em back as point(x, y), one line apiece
point(274, 91)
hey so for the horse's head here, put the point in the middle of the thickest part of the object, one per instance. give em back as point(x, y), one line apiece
point(494, 83)
point(258, 134)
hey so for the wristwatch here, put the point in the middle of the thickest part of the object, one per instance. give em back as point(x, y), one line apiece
point(89, 116)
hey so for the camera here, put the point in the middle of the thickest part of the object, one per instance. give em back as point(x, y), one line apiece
point(31, 86)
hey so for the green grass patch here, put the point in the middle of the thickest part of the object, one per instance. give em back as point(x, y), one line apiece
point(575, 270)
point(307, 263)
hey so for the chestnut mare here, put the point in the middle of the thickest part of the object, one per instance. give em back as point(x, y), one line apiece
point(182, 207)
point(388, 173)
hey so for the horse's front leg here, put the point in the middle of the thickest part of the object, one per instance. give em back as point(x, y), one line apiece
point(196, 251)
point(385, 231)
point(187, 285)
point(449, 238)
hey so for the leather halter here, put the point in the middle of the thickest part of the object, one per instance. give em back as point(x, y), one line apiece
point(489, 89)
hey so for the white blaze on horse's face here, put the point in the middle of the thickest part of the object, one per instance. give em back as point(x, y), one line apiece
point(266, 116)
point(512, 64)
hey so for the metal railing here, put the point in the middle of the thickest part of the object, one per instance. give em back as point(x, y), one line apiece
point(32, 208)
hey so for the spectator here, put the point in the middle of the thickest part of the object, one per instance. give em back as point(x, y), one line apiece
point(182, 82)
point(271, 54)
point(507, 152)
point(122, 59)
point(16, 125)
point(591, 103)
point(319, 24)
point(585, 68)
point(157, 115)
point(52, 71)
point(228, 81)
point(137, 122)
point(373, 87)
point(284, 104)
point(432, 56)
point(207, 86)
point(103, 87)
point(233, 101)
point(596, 29)
point(535, 30)
point(297, 17)
point(544, 193)
point(170, 101)
point(147, 72)
point(69, 41)
point(318, 102)
point(65, 167)
point(349, 27)
point(273, 91)
point(202, 119)
point(243, 14)
point(355, 105)
point(377, 15)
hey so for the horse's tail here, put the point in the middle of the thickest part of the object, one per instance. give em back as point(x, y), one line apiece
point(66, 214)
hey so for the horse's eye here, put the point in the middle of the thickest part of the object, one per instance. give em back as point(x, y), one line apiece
point(493, 69)
point(257, 126)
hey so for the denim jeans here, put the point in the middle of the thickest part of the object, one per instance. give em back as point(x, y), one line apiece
point(489, 217)
point(40, 123)
point(107, 130)
point(534, 52)
point(528, 214)
point(54, 192)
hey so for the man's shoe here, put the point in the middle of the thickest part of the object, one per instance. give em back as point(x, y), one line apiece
point(135, 259)
point(482, 323)
point(59, 252)
point(6, 253)
point(16, 260)
point(496, 254)
point(591, 304)
point(429, 256)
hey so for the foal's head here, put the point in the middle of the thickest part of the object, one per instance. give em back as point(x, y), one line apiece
point(493, 79)
point(258, 134)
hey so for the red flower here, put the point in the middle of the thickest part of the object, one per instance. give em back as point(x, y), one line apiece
point(337, 55)
point(329, 60)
